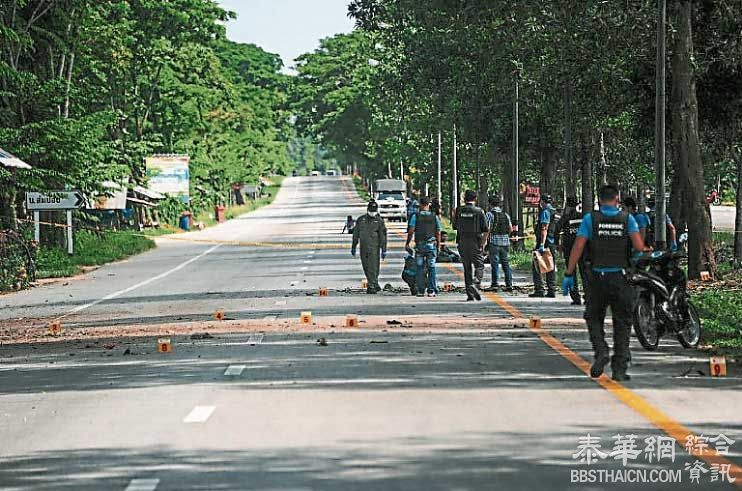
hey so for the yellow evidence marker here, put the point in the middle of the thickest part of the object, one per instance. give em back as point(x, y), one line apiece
point(306, 318)
point(705, 276)
point(219, 315)
point(534, 323)
point(447, 287)
point(351, 321)
point(324, 292)
point(55, 328)
point(718, 366)
point(364, 283)
point(164, 345)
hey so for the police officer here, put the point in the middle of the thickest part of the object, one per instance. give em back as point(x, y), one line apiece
point(545, 230)
point(567, 228)
point(471, 227)
point(370, 231)
point(642, 219)
point(425, 227)
point(671, 234)
point(608, 234)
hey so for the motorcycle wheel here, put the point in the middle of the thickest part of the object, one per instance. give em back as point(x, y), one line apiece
point(645, 324)
point(690, 334)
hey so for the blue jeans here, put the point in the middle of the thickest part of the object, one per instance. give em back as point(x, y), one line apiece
point(425, 260)
point(500, 255)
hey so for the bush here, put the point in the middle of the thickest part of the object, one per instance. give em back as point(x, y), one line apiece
point(17, 259)
point(91, 249)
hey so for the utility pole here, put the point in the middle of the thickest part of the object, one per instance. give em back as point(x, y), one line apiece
point(455, 202)
point(517, 212)
point(659, 140)
point(440, 157)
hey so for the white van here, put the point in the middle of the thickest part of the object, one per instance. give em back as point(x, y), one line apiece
point(391, 196)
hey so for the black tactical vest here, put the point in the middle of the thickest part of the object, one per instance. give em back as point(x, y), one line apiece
point(499, 223)
point(467, 221)
point(570, 226)
point(424, 227)
point(610, 246)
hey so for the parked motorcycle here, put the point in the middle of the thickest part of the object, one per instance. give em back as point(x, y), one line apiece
point(714, 198)
point(663, 305)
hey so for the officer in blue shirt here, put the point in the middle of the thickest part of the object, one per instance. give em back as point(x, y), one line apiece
point(425, 227)
point(545, 230)
point(642, 219)
point(671, 233)
point(608, 234)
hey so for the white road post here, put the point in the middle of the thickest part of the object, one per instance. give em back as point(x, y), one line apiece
point(70, 249)
point(36, 227)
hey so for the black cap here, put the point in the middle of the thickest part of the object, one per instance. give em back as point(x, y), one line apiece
point(546, 198)
point(373, 206)
point(470, 195)
point(495, 201)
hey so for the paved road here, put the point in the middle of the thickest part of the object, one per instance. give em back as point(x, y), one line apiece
point(490, 405)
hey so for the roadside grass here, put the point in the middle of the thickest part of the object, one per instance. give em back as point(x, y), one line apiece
point(721, 314)
point(361, 189)
point(90, 250)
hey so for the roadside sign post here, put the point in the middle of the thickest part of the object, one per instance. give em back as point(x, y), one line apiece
point(51, 201)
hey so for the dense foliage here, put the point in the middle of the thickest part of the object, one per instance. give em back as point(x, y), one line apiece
point(89, 88)
point(584, 72)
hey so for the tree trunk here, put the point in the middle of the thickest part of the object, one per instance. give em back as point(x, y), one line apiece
point(547, 170)
point(738, 217)
point(588, 197)
point(687, 147)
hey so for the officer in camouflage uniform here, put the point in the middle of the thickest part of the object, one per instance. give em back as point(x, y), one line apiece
point(609, 235)
point(471, 227)
point(370, 231)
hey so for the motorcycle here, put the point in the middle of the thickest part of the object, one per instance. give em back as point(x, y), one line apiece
point(663, 304)
point(714, 198)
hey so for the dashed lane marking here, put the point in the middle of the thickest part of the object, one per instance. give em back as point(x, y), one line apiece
point(234, 370)
point(199, 414)
point(143, 485)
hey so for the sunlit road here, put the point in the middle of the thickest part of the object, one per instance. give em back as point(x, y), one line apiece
point(465, 397)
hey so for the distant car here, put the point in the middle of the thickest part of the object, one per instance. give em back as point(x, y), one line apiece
point(332, 173)
point(314, 173)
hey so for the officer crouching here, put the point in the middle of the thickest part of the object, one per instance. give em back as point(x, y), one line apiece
point(609, 235)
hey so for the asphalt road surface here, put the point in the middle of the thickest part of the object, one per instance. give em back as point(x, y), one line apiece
point(426, 394)
point(723, 217)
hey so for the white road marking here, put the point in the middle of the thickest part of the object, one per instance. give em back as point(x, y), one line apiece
point(311, 253)
point(234, 370)
point(304, 268)
point(281, 302)
point(309, 261)
point(143, 485)
point(199, 414)
point(255, 339)
point(270, 318)
point(143, 283)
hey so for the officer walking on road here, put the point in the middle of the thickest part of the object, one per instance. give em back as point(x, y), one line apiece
point(426, 228)
point(370, 231)
point(471, 227)
point(609, 235)
point(545, 230)
point(567, 229)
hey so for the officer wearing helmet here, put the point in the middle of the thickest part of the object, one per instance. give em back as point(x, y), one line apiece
point(545, 231)
point(370, 231)
point(471, 232)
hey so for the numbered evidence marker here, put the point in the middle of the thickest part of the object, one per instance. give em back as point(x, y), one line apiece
point(164, 345)
point(323, 292)
point(705, 276)
point(351, 321)
point(55, 328)
point(219, 315)
point(534, 322)
point(718, 366)
point(305, 318)
point(447, 287)
point(364, 283)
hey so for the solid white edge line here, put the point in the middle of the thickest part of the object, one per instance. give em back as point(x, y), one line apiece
point(143, 485)
point(143, 283)
point(199, 414)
